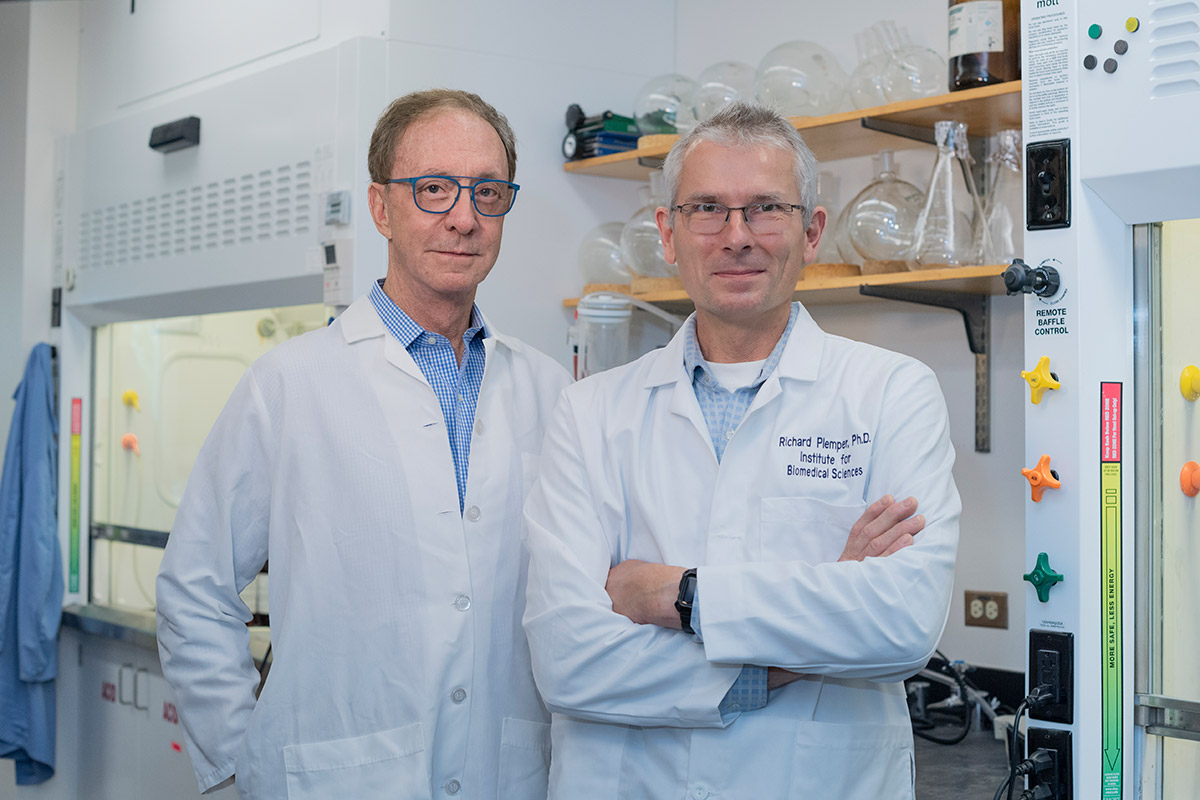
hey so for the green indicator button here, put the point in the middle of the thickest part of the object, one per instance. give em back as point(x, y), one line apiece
point(1042, 577)
point(1094, 31)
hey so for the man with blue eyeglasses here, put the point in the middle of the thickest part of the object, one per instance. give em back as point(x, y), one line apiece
point(381, 464)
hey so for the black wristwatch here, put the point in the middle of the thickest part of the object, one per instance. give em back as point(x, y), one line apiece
point(687, 595)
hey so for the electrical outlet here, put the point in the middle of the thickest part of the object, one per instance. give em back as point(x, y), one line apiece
point(1058, 743)
point(986, 609)
point(1048, 185)
point(1051, 663)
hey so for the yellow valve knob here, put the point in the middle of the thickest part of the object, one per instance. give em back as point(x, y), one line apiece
point(130, 398)
point(1189, 479)
point(1040, 379)
point(1041, 478)
point(1189, 383)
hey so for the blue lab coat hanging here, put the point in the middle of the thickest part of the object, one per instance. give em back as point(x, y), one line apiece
point(31, 580)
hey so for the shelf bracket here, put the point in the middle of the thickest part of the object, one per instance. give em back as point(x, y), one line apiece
point(975, 312)
point(978, 145)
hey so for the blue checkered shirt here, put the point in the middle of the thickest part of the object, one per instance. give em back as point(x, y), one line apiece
point(723, 412)
point(456, 385)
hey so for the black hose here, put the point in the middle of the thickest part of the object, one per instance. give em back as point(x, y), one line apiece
point(966, 708)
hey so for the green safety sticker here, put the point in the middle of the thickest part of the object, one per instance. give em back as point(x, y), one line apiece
point(1112, 679)
point(73, 529)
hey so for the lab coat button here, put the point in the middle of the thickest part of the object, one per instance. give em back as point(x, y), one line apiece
point(728, 435)
point(453, 786)
point(458, 695)
point(699, 793)
point(462, 602)
point(473, 513)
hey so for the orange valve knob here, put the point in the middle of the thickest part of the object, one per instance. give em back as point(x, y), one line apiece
point(1041, 478)
point(1189, 383)
point(1040, 380)
point(130, 442)
point(1189, 479)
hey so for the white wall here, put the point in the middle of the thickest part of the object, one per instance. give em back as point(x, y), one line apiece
point(992, 531)
point(14, 67)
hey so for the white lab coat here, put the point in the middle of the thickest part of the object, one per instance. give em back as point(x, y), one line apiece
point(628, 471)
point(332, 458)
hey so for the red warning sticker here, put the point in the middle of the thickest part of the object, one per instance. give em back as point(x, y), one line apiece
point(1110, 422)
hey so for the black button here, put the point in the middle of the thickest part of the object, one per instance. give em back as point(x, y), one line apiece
point(1121, 47)
point(1089, 62)
point(1110, 65)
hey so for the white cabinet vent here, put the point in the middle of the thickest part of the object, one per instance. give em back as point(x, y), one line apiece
point(269, 204)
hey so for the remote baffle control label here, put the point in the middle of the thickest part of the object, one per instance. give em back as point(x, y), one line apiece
point(1112, 679)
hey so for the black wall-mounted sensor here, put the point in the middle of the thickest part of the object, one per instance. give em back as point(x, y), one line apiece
point(176, 135)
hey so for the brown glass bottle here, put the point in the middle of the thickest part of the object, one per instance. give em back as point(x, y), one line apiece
point(984, 42)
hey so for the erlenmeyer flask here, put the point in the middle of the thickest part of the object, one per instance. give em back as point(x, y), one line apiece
point(1004, 195)
point(941, 240)
point(882, 218)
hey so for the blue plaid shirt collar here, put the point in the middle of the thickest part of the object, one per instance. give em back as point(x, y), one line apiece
point(698, 370)
point(405, 329)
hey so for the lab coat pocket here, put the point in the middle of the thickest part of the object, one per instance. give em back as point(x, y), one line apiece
point(853, 761)
point(524, 758)
point(805, 529)
point(389, 763)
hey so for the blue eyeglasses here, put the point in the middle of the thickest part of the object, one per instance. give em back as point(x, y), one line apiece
point(437, 194)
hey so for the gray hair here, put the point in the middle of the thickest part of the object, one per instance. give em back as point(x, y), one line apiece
point(747, 124)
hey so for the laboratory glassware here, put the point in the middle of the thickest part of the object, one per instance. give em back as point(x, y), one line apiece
point(720, 84)
point(866, 84)
point(984, 42)
point(1004, 194)
point(882, 218)
point(945, 238)
point(913, 71)
point(603, 331)
point(827, 196)
point(802, 79)
point(601, 259)
point(664, 105)
point(640, 240)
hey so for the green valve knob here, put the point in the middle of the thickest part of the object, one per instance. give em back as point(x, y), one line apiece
point(1094, 31)
point(1042, 577)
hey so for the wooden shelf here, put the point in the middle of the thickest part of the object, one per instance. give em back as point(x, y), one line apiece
point(834, 291)
point(985, 110)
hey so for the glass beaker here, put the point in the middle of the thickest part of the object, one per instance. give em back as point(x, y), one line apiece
point(882, 218)
point(603, 331)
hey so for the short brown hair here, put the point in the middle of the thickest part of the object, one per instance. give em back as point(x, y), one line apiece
point(406, 110)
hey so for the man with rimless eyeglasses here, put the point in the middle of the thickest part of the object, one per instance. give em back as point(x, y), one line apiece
point(724, 593)
point(397, 575)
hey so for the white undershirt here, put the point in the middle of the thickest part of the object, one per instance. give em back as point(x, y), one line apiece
point(736, 376)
